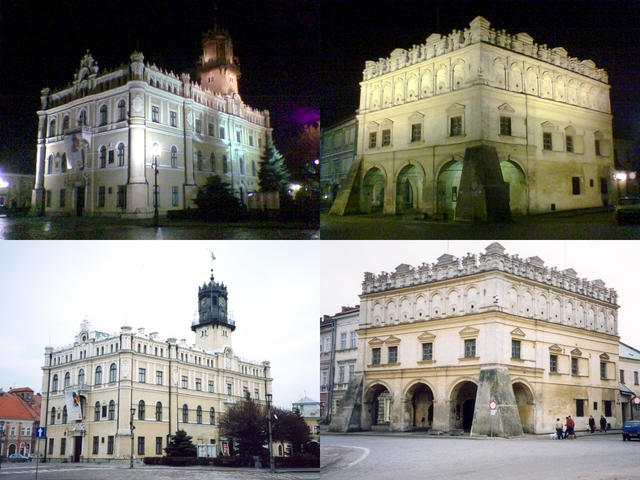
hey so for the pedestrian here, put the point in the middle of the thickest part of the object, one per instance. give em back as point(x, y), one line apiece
point(559, 428)
point(592, 424)
point(571, 427)
point(603, 424)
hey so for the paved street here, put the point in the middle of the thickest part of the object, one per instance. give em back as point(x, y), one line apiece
point(72, 228)
point(594, 225)
point(57, 471)
point(365, 456)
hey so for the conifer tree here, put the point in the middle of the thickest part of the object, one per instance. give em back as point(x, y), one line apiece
point(181, 445)
point(273, 175)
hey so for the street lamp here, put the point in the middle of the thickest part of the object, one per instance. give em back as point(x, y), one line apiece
point(1, 441)
point(133, 412)
point(156, 160)
point(620, 177)
point(269, 397)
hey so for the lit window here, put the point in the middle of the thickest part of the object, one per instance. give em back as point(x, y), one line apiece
point(122, 110)
point(456, 126)
point(386, 138)
point(546, 141)
point(103, 115)
point(569, 143)
point(416, 132)
point(373, 136)
point(505, 125)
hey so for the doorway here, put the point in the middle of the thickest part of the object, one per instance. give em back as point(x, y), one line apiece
point(77, 449)
point(79, 201)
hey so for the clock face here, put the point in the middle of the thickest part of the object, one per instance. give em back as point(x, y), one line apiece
point(204, 302)
point(222, 302)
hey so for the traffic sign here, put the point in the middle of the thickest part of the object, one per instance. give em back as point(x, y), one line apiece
point(41, 432)
point(493, 405)
point(636, 400)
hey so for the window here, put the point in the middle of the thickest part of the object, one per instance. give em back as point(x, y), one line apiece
point(158, 412)
point(155, 114)
point(212, 129)
point(225, 166)
point(212, 416)
point(185, 413)
point(175, 199)
point(141, 408)
point(222, 133)
point(103, 156)
point(375, 356)
point(546, 141)
point(101, 195)
point(158, 445)
point(140, 445)
point(121, 155)
point(142, 373)
point(213, 161)
point(65, 124)
point(343, 341)
point(198, 125)
point(574, 366)
point(505, 125)
point(198, 384)
point(621, 374)
point(607, 408)
point(52, 128)
point(242, 168)
point(174, 157)
point(63, 202)
point(553, 363)
point(185, 381)
point(82, 118)
point(54, 387)
point(96, 445)
point(199, 415)
point(211, 386)
point(416, 132)
point(515, 348)
point(351, 371)
point(50, 165)
point(96, 413)
point(122, 110)
point(470, 348)
point(635, 378)
point(238, 136)
point(63, 446)
point(427, 351)
point(327, 344)
point(64, 414)
point(256, 393)
point(575, 185)
point(51, 446)
point(199, 161)
point(393, 354)
point(341, 374)
point(373, 136)
point(98, 376)
point(253, 168)
point(113, 373)
point(579, 407)
point(598, 147)
point(110, 445)
point(386, 137)
point(112, 410)
point(353, 340)
point(569, 142)
point(121, 196)
point(158, 377)
point(13, 430)
point(456, 126)
point(173, 119)
point(103, 115)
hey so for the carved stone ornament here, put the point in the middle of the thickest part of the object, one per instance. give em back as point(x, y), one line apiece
point(138, 104)
point(189, 119)
point(126, 368)
point(174, 376)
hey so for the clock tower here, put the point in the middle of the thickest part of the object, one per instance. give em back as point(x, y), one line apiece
point(219, 69)
point(213, 327)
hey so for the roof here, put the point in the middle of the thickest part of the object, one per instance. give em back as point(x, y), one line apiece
point(628, 352)
point(305, 400)
point(14, 407)
point(625, 390)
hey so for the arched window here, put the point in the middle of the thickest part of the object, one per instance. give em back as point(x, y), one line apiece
point(103, 156)
point(242, 166)
point(65, 124)
point(121, 155)
point(96, 413)
point(103, 115)
point(54, 387)
point(81, 376)
point(212, 416)
point(213, 162)
point(141, 410)
point(174, 157)
point(199, 414)
point(64, 414)
point(113, 372)
point(53, 416)
point(122, 110)
point(82, 118)
point(63, 163)
point(225, 167)
point(185, 414)
point(98, 375)
point(67, 379)
point(158, 412)
point(112, 410)
point(52, 128)
point(50, 164)
point(199, 155)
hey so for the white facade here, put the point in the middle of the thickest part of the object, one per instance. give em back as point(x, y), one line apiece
point(546, 114)
point(337, 150)
point(346, 352)
point(100, 139)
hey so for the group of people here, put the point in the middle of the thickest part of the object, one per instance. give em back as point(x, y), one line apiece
point(570, 425)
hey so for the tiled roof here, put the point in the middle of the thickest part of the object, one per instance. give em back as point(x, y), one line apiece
point(14, 407)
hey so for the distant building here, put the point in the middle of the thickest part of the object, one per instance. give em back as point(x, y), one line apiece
point(309, 410)
point(327, 351)
point(481, 123)
point(629, 382)
point(105, 139)
point(20, 414)
point(91, 386)
point(337, 151)
point(15, 191)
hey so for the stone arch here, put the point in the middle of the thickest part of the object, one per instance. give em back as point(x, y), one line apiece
point(527, 303)
point(560, 89)
point(572, 92)
point(398, 92)
point(442, 79)
point(515, 78)
point(499, 73)
point(372, 192)
point(459, 75)
point(525, 402)
point(541, 307)
point(390, 310)
point(472, 303)
point(556, 311)
point(420, 307)
point(437, 305)
point(513, 297)
point(426, 84)
point(409, 188)
point(376, 404)
point(405, 310)
point(463, 401)
point(532, 81)
point(453, 302)
point(387, 96)
point(546, 86)
point(375, 98)
point(448, 183)
point(419, 395)
point(377, 313)
point(569, 318)
point(412, 88)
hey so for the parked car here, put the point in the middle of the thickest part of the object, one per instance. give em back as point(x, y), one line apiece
point(16, 457)
point(630, 429)
point(628, 210)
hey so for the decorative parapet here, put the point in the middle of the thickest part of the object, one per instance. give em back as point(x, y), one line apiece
point(494, 259)
point(479, 32)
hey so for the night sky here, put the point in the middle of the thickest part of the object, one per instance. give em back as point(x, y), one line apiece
point(354, 31)
point(42, 42)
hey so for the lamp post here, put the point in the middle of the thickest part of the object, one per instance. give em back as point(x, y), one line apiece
point(1, 441)
point(155, 164)
point(133, 412)
point(620, 177)
point(269, 397)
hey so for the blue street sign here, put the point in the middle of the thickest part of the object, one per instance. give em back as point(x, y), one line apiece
point(41, 432)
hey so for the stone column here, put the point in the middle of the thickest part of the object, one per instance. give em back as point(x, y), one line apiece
point(495, 384)
point(138, 200)
point(441, 414)
point(189, 188)
point(38, 194)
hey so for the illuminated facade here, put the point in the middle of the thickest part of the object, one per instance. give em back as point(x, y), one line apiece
point(100, 139)
point(337, 150)
point(447, 125)
point(90, 386)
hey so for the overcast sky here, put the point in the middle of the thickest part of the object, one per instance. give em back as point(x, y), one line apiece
point(614, 262)
point(48, 288)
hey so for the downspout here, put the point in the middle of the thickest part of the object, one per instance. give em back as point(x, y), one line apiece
point(331, 370)
point(526, 131)
point(169, 380)
point(119, 372)
point(46, 414)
